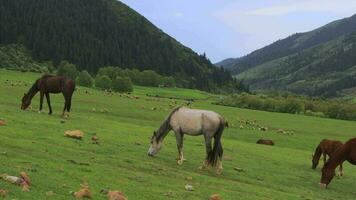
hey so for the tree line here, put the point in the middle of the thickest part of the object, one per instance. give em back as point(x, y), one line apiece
point(96, 33)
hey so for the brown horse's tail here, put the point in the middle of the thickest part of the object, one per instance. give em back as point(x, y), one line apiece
point(316, 156)
point(216, 153)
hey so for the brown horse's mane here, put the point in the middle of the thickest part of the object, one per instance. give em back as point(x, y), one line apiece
point(165, 126)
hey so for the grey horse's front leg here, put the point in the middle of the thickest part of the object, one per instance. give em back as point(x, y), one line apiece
point(179, 138)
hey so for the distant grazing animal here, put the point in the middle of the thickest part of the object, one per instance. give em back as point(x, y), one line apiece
point(266, 142)
point(326, 147)
point(346, 152)
point(50, 84)
point(193, 122)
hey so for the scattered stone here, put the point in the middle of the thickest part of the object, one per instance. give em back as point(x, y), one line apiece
point(241, 126)
point(189, 187)
point(263, 129)
point(62, 121)
point(84, 191)
point(78, 163)
point(215, 197)
point(4, 153)
point(265, 142)
point(189, 178)
point(23, 180)
point(168, 194)
point(2, 122)
point(76, 134)
point(238, 169)
point(281, 131)
point(95, 139)
point(138, 143)
point(116, 195)
point(49, 193)
point(93, 109)
point(3, 193)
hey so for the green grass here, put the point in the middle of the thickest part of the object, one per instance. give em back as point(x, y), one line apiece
point(35, 143)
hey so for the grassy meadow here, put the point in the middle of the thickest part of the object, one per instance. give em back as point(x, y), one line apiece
point(35, 143)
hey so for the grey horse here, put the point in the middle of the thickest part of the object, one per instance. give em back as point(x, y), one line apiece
point(193, 122)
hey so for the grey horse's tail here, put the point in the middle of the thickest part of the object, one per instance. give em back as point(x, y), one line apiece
point(217, 152)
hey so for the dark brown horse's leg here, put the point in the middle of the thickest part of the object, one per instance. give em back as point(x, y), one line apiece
point(341, 173)
point(324, 157)
point(64, 109)
point(49, 103)
point(41, 100)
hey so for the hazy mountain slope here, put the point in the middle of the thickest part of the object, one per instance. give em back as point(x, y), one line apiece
point(294, 43)
point(321, 70)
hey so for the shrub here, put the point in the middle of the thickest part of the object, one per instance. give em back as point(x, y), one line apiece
point(84, 79)
point(67, 69)
point(122, 84)
point(149, 78)
point(103, 82)
point(168, 81)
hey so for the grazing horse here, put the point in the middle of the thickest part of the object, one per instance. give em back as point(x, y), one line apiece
point(326, 147)
point(50, 84)
point(266, 142)
point(346, 152)
point(193, 122)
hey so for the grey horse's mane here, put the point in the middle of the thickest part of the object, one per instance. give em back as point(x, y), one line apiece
point(165, 126)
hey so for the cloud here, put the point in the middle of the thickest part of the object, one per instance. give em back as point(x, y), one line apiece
point(332, 6)
point(257, 24)
point(178, 14)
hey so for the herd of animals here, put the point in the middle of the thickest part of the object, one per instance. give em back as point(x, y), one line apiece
point(195, 122)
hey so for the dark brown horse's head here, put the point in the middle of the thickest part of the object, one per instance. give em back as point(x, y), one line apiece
point(26, 102)
point(315, 161)
point(327, 175)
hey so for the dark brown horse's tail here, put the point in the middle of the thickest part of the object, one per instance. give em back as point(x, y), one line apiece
point(316, 156)
point(216, 153)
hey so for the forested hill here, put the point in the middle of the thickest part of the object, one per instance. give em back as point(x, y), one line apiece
point(292, 44)
point(96, 33)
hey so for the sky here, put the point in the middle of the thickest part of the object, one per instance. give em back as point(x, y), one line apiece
point(233, 28)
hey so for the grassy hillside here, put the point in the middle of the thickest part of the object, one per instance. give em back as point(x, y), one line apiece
point(35, 143)
point(322, 70)
point(97, 33)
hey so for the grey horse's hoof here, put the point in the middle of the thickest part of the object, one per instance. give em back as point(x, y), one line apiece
point(179, 162)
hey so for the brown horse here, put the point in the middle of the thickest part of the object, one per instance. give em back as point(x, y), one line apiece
point(266, 142)
point(345, 152)
point(50, 84)
point(326, 147)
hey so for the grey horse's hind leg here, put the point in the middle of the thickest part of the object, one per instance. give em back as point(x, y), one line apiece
point(208, 150)
point(179, 138)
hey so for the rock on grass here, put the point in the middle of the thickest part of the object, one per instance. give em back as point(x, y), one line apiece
point(76, 134)
point(215, 197)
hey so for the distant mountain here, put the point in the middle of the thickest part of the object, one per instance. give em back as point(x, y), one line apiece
point(321, 62)
point(294, 44)
point(227, 63)
point(96, 33)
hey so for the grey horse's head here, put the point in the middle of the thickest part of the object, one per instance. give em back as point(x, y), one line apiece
point(156, 144)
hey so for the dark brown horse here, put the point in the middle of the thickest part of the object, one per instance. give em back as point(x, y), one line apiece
point(345, 152)
point(266, 142)
point(50, 84)
point(326, 147)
